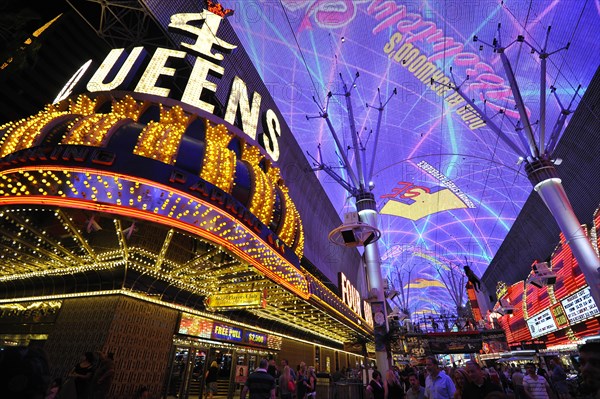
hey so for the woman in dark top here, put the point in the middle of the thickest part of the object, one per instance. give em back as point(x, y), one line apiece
point(211, 379)
point(376, 386)
point(394, 387)
point(82, 374)
point(301, 382)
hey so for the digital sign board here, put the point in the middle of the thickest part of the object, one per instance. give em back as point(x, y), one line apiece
point(541, 324)
point(227, 333)
point(195, 326)
point(201, 327)
point(580, 306)
point(559, 315)
point(254, 338)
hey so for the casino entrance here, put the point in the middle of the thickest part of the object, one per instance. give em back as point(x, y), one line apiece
point(190, 360)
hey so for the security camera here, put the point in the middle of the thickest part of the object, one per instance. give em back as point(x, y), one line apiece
point(542, 275)
point(353, 232)
point(505, 307)
point(402, 316)
point(397, 314)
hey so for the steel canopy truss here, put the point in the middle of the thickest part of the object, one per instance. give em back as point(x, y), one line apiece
point(540, 165)
point(121, 23)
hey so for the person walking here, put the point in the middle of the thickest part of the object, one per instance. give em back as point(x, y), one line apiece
point(589, 367)
point(535, 385)
point(559, 379)
point(301, 381)
point(479, 386)
point(103, 375)
point(461, 381)
point(437, 384)
point(376, 387)
point(393, 385)
point(260, 384)
point(311, 389)
point(212, 375)
point(287, 385)
point(82, 374)
point(517, 381)
point(416, 390)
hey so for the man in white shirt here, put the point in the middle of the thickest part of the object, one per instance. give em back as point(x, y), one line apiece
point(437, 384)
point(535, 385)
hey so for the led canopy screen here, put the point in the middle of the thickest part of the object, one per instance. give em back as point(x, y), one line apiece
point(448, 187)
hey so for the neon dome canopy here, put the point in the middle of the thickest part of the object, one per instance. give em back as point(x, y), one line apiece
point(448, 189)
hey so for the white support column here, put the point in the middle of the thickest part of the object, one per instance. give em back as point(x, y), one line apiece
point(367, 212)
point(548, 185)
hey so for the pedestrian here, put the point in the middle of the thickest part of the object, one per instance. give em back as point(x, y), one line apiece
point(558, 378)
point(393, 385)
point(301, 381)
point(375, 387)
point(284, 362)
point(438, 385)
point(535, 385)
point(479, 386)
point(311, 389)
point(416, 390)
point(260, 384)
point(517, 381)
point(461, 380)
point(102, 378)
point(82, 374)
point(589, 367)
point(287, 385)
point(211, 377)
point(54, 389)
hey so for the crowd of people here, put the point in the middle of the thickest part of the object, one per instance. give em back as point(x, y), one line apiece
point(476, 382)
point(268, 381)
point(24, 374)
point(433, 381)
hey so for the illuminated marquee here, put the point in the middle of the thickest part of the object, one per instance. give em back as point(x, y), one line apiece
point(120, 194)
point(541, 324)
point(236, 300)
point(580, 306)
point(119, 68)
point(205, 328)
point(351, 298)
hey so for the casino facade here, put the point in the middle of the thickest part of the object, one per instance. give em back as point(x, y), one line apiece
point(165, 231)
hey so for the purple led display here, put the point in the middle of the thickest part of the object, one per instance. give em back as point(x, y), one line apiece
point(447, 188)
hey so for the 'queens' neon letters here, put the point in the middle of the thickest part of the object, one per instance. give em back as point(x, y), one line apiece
point(120, 68)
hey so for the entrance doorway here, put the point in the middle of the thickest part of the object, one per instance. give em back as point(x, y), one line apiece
point(186, 373)
point(190, 362)
point(223, 357)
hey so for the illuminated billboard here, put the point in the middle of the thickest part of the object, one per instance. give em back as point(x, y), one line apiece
point(541, 324)
point(556, 314)
point(580, 306)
